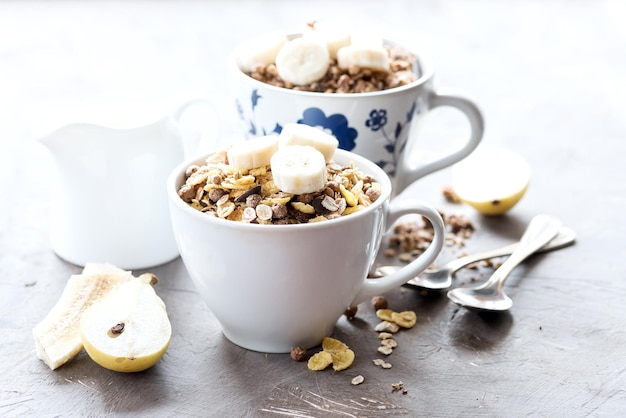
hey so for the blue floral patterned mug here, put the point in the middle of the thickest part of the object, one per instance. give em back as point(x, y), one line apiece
point(376, 125)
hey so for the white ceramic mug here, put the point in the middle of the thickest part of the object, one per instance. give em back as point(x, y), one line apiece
point(274, 287)
point(375, 125)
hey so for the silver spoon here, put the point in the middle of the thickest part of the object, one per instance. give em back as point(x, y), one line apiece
point(441, 278)
point(490, 295)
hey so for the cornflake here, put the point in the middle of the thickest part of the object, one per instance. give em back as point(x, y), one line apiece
point(333, 352)
point(384, 314)
point(406, 319)
point(342, 359)
point(320, 361)
point(332, 344)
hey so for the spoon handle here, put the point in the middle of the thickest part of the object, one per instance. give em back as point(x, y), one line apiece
point(564, 237)
point(461, 262)
point(542, 229)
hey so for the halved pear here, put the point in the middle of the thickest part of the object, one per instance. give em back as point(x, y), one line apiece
point(491, 179)
point(128, 330)
point(57, 336)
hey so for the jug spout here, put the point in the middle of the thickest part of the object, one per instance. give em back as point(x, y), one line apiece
point(85, 148)
point(64, 137)
point(101, 121)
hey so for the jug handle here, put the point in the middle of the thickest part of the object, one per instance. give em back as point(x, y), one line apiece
point(207, 132)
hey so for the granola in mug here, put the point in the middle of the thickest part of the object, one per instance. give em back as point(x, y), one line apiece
point(219, 189)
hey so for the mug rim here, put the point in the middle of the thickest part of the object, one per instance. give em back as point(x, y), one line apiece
point(173, 183)
point(425, 63)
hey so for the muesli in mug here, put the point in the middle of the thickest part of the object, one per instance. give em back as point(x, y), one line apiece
point(366, 91)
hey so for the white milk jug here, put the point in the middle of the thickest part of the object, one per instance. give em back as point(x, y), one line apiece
point(108, 200)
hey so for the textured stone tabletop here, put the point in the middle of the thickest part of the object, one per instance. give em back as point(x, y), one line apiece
point(550, 78)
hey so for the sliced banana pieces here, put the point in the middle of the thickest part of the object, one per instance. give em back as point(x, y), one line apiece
point(253, 153)
point(57, 336)
point(262, 50)
point(299, 169)
point(306, 59)
point(362, 56)
point(335, 35)
point(302, 61)
point(297, 157)
point(300, 134)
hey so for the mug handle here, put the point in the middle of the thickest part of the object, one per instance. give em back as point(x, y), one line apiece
point(477, 127)
point(397, 209)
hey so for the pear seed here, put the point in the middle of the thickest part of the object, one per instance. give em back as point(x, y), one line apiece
point(149, 278)
point(116, 330)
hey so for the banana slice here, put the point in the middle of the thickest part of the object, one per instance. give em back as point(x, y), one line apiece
point(335, 35)
point(300, 134)
point(57, 336)
point(299, 169)
point(261, 50)
point(302, 61)
point(253, 153)
point(362, 56)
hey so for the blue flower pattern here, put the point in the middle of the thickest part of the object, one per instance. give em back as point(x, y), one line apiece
point(338, 125)
point(394, 145)
point(377, 120)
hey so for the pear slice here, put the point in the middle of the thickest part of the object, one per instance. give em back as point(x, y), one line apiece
point(492, 179)
point(57, 336)
point(128, 330)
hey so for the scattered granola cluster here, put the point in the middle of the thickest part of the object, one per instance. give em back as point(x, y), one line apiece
point(341, 357)
point(412, 238)
point(298, 353)
point(379, 302)
point(392, 322)
point(399, 387)
point(450, 194)
point(351, 80)
point(219, 189)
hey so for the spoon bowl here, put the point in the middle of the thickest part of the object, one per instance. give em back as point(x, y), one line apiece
point(486, 298)
point(490, 295)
